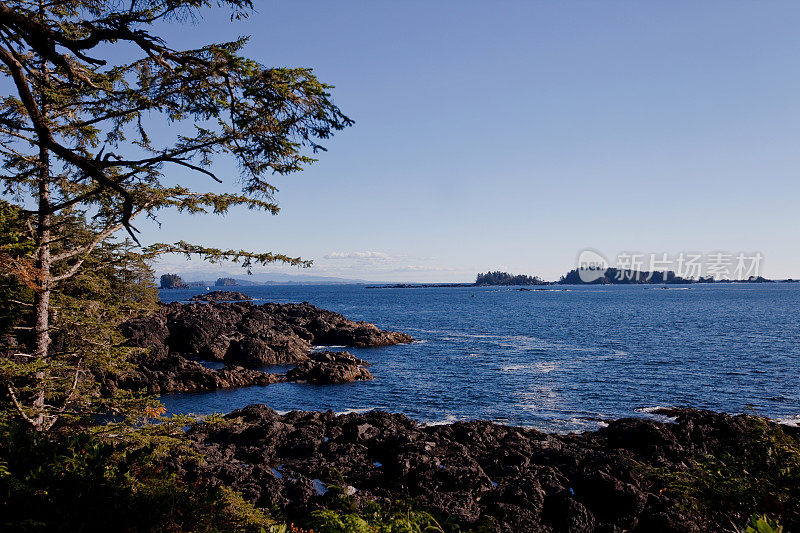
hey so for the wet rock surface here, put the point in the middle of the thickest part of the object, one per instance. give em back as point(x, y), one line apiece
point(241, 335)
point(517, 479)
point(330, 368)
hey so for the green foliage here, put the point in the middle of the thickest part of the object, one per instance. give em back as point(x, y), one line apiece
point(761, 475)
point(171, 281)
point(15, 245)
point(94, 113)
point(504, 278)
point(346, 517)
point(375, 519)
point(77, 151)
point(763, 524)
point(111, 286)
point(88, 480)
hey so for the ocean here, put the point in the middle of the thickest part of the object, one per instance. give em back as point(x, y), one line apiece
point(563, 359)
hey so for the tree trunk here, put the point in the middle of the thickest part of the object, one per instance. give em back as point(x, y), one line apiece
point(42, 297)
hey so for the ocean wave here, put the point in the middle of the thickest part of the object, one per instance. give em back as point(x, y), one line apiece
point(357, 411)
point(584, 422)
point(793, 421)
point(545, 367)
point(542, 367)
point(650, 410)
point(449, 419)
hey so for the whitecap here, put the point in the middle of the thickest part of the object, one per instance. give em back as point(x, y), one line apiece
point(649, 410)
point(793, 421)
point(652, 412)
point(544, 367)
point(356, 411)
point(449, 419)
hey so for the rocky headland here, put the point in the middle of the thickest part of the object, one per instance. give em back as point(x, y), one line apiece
point(624, 477)
point(179, 337)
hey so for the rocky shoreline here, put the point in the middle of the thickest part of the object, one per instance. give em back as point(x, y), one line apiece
point(245, 338)
point(702, 471)
point(473, 474)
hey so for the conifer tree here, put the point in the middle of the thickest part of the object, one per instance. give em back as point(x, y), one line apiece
point(82, 135)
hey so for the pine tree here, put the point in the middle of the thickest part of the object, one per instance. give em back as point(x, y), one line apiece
point(76, 142)
point(114, 284)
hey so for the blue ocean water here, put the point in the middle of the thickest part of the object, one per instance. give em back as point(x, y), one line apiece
point(557, 360)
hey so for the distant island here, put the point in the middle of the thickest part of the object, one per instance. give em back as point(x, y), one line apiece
point(614, 276)
point(174, 281)
point(504, 278)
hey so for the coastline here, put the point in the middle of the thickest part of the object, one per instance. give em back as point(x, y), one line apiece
point(503, 478)
point(480, 475)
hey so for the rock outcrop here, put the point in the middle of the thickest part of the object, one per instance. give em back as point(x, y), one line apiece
point(514, 478)
point(175, 373)
point(220, 296)
point(242, 335)
point(330, 368)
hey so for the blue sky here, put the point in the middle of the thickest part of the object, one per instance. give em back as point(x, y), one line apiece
point(511, 135)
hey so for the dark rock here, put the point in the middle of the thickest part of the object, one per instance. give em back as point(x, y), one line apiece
point(470, 472)
point(289, 330)
point(220, 296)
point(330, 368)
point(244, 335)
point(174, 373)
point(251, 352)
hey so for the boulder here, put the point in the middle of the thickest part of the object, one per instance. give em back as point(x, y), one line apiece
point(328, 368)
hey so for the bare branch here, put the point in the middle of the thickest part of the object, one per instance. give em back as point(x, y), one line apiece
point(19, 407)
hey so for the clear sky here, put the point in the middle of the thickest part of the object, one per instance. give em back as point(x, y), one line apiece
point(512, 135)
